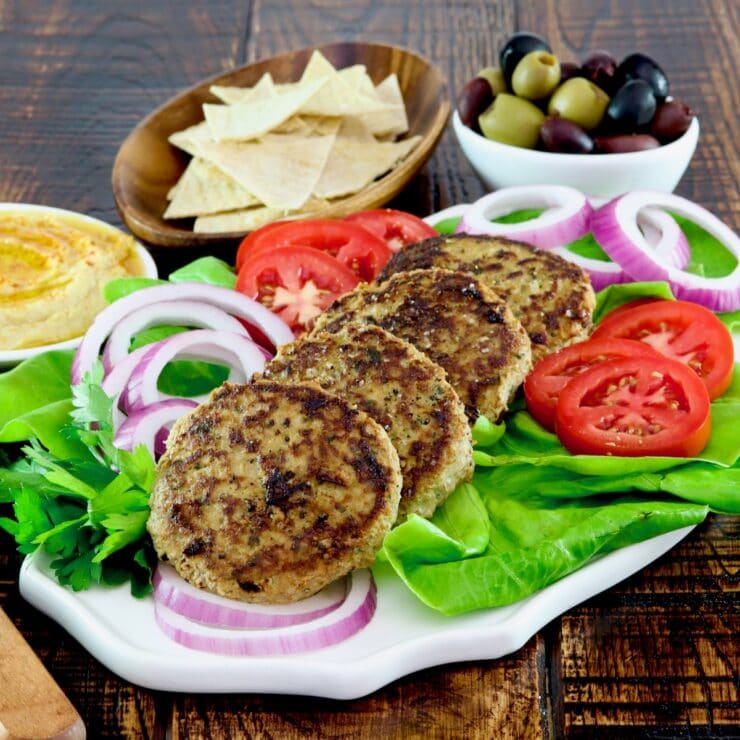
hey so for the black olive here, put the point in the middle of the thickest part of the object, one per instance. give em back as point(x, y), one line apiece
point(641, 67)
point(568, 70)
point(600, 67)
point(563, 136)
point(474, 98)
point(516, 48)
point(632, 107)
point(623, 143)
point(671, 120)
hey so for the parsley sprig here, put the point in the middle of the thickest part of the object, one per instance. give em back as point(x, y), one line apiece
point(90, 513)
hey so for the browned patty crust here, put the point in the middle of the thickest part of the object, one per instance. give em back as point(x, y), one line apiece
point(404, 391)
point(552, 297)
point(456, 321)
point(268, 492)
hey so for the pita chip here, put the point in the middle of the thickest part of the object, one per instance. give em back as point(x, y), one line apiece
point(189, 139)
point(336, 97)
point(204, 189)
point(393, 120)
point(249, 219)
point(281, 170)
point(265, 88)
point(357, 159)
point(249, 120)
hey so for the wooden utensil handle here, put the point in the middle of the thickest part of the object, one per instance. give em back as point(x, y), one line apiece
point(31, 703)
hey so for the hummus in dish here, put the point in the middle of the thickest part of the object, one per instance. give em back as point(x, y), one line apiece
point(52, 270)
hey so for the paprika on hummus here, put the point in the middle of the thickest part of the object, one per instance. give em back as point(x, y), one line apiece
point(52, 270)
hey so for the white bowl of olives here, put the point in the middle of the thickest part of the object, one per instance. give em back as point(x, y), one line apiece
point(602, 127)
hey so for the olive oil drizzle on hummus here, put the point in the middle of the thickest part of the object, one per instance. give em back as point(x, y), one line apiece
point(52, 269)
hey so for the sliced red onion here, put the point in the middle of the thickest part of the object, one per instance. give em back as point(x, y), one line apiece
point(160, 441)
point(172, 591)
point(114, 383)
point(662, 233)
point(457, 211)
point(228, 300)
point(339, 625)
point(615, 227)
point(177, 313)
point(237, 351)
point(602, 273)
point(142, 427)
point(565, 219)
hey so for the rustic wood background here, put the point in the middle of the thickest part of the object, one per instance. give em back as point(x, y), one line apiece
point(656, 656)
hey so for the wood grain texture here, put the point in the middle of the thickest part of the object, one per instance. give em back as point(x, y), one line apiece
point(31, 703)
point(656, 656)
point(505, 698)
point(659, 649)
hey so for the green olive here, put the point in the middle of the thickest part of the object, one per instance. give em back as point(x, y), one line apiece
point(512, 120)
point(536, 75)
point(495, 78)
point(580, 101)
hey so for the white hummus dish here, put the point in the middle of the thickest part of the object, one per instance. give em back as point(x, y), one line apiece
point(54, 264)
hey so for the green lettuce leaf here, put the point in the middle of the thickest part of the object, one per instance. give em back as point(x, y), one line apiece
point(533, 542)
point(35, 401)
point(614, 296)
point(208, 270)
point(448, 225)
point(121, 287)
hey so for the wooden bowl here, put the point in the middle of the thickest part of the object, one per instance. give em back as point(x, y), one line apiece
point(147, 165)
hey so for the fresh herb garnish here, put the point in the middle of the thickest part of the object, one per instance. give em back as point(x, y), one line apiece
point(88, 513)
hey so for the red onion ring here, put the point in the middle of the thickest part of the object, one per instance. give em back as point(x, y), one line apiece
point(600, 272)
point(177, 313)
point(565, 219)
point(143, 426)
point(240, 353)
point(615, 228)
point(174, 592)
point(228, 300)
point(114, 383)
point(660, 230)
point(339, 625)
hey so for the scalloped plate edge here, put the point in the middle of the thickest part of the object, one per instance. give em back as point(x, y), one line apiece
point(404, 636)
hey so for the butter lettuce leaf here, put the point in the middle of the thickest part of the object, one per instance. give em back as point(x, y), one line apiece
point(533, 542)
point(210, 270)
point(35, 401)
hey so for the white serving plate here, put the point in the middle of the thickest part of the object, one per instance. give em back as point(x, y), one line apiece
point(404, 635)
point(14, 356)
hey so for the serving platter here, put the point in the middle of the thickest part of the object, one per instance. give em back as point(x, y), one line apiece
point(11, 357)
point(404, 635)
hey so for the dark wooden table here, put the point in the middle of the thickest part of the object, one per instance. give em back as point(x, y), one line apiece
point(657, 656)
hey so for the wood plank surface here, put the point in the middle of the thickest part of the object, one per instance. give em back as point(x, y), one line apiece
point(656, 656)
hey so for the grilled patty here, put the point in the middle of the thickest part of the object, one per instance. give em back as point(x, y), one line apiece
point(456, 321)
point(552, 297)
point(268, 492)
point(404, 391)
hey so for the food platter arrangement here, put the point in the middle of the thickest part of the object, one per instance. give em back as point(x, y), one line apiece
point(372, 442)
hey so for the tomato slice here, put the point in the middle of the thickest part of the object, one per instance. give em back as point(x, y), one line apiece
point(636, 406)
point(296, 283)
point(551, 374)
point(395, 228)
point(258, 235)
point(362, 252)
point(682, 330)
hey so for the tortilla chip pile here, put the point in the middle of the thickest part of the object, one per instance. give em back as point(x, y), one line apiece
point(279, 150)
